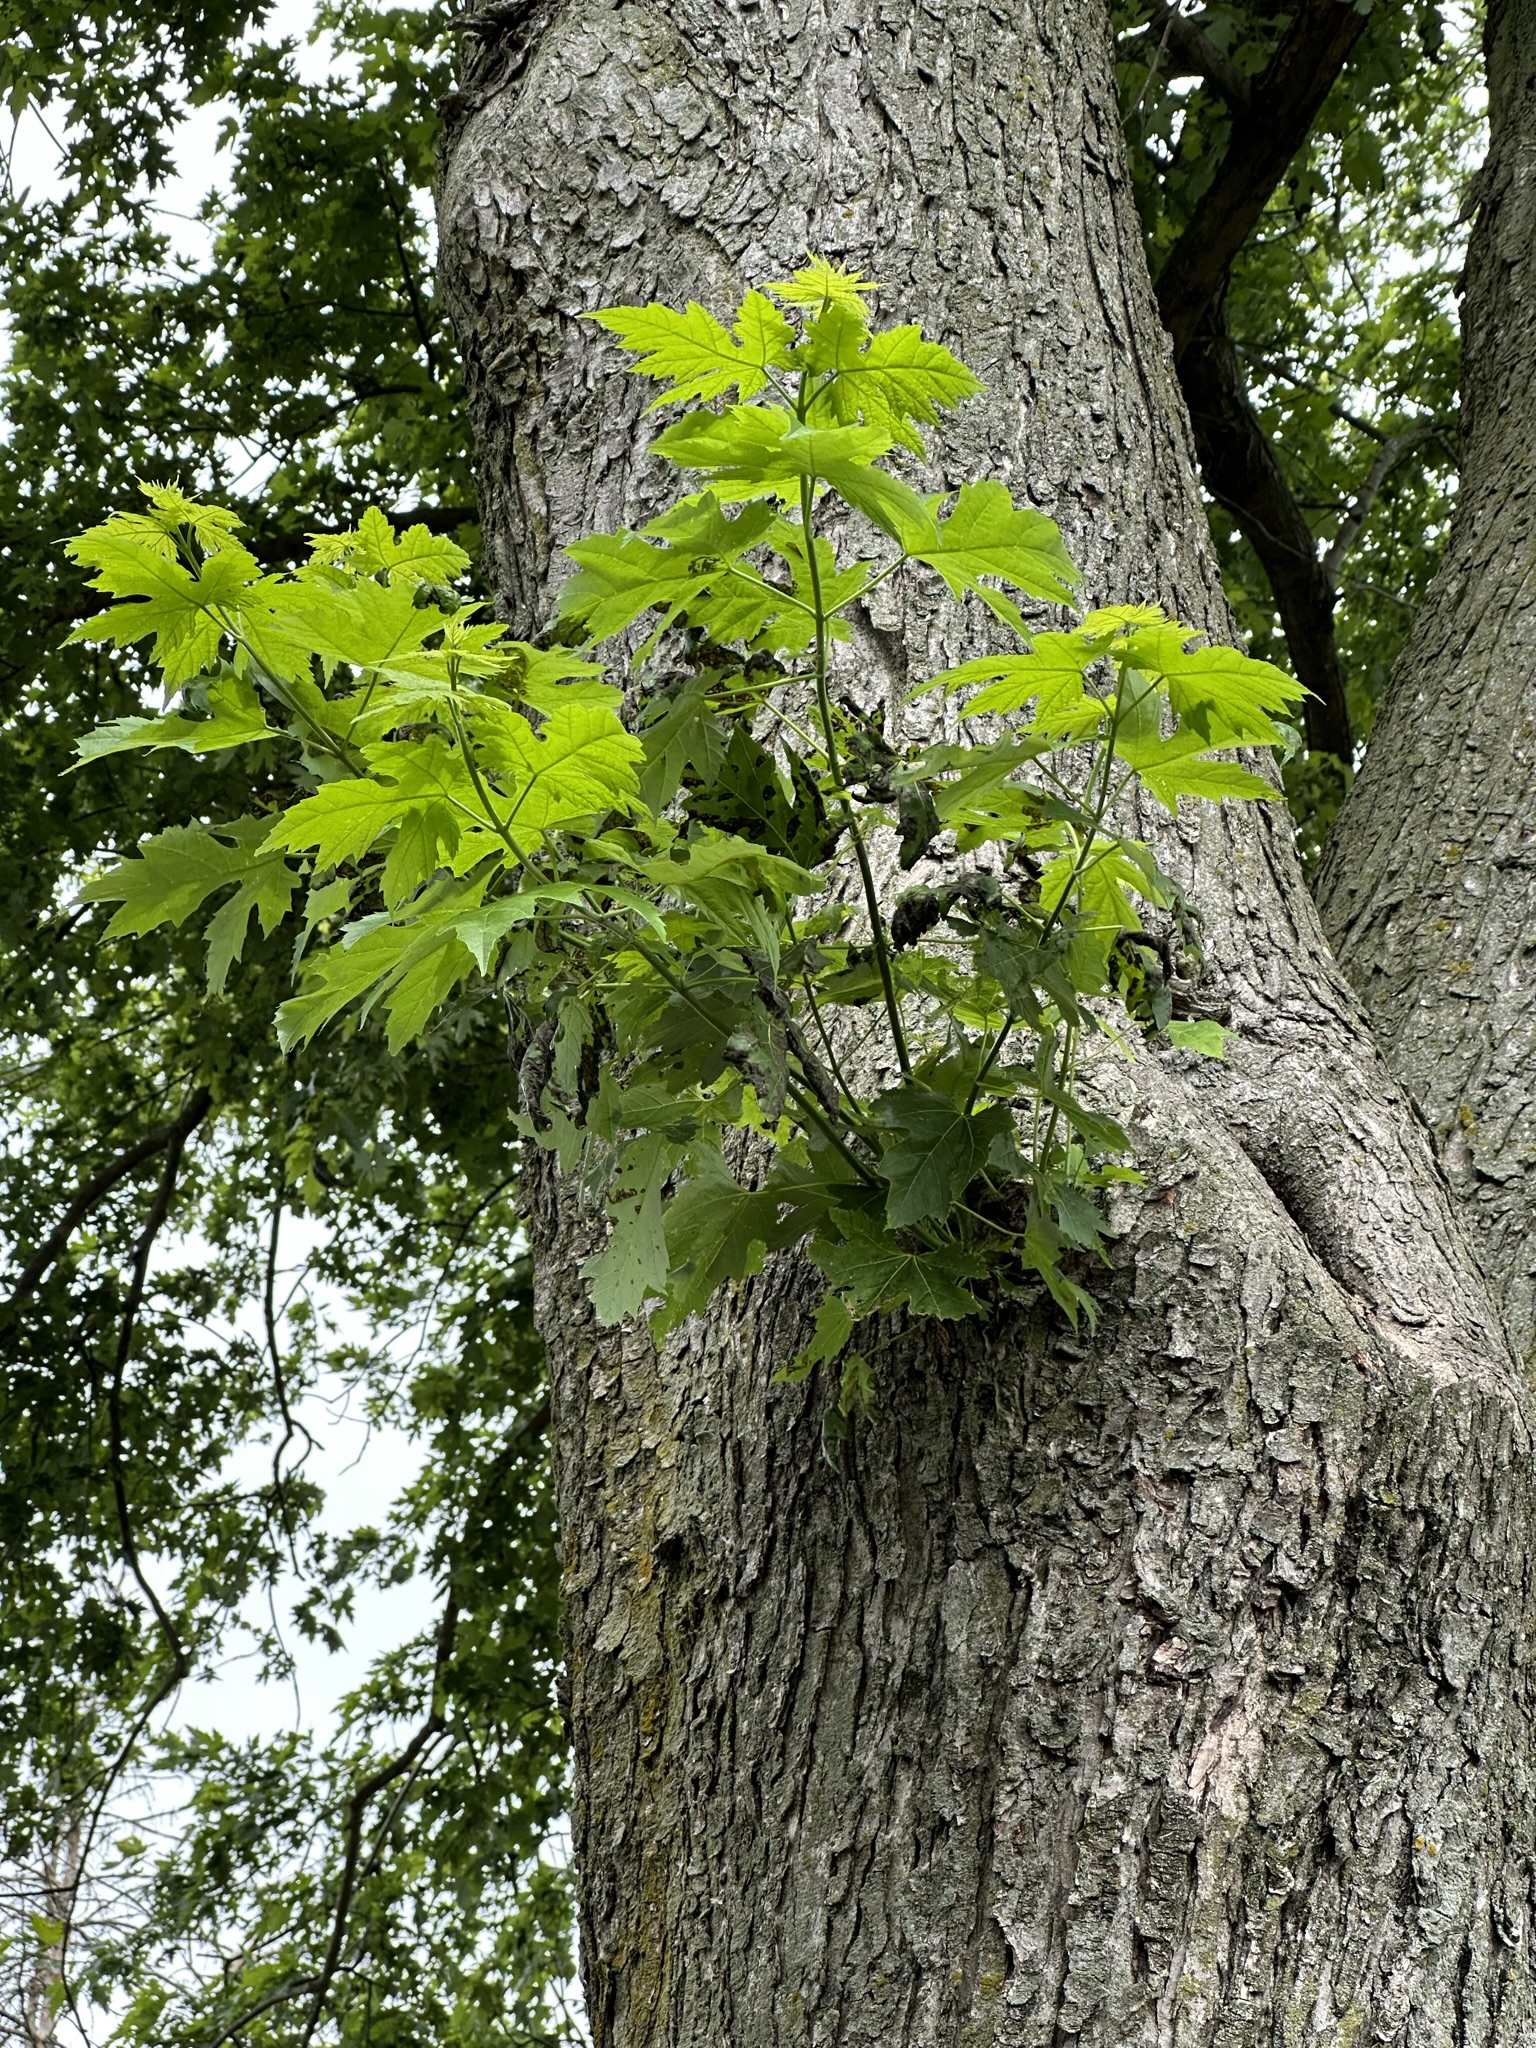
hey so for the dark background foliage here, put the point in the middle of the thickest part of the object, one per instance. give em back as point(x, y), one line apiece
point(278, 1237)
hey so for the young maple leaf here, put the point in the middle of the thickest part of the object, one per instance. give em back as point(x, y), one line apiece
point(988, 535)
point(373, 548)
point(695, 353)
point(896, 379)
point(179, 869)
point(818, 284)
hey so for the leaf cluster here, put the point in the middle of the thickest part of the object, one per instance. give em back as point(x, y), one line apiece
point(673, 891)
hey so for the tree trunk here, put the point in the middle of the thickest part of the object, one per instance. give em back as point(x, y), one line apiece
point(1428, 885)
point(1168, 1686)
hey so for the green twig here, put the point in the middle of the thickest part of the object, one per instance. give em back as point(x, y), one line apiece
point(834, 768)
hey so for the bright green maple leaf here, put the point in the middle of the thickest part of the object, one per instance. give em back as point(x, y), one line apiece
point(753, 450)
point(374, 548)
point(764, 445)
point(188, 614)
point(235, 719)
point(548, 678)
point(1104, 888)
point(695, 353)
point(173, 515)
point(177, 871)
point(410, 966)
point(1226, 696)
point(1182, 766)
point(483, 928)
point(265, 892)
point(1051, 673)
point(1199, 1034)
point(367, 626)
point(895, 379)
point(621, 575)
point(424, 984)
point(340, 975)
point(818, 284)
point(723, 872)
point(986, 534)
point(702, 527)
point(582, 762)
point(1212, 780)
point(343, 819)
point(1106, 622)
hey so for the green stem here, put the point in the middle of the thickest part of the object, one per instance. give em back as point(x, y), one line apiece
point(826, 1038)
point(1086, 857)
point(756, 582)
point(874, 583)
point(1064, 1081)
point(793, 724)
point(986, 1066)
point(813, 1112)
point(834, 769)
point(987, 1222)
point(493, 816)
point(804, 1102)
point(275, 687)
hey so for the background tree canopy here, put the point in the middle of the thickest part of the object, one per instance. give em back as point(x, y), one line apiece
point(209, 1243)
point(297, 371)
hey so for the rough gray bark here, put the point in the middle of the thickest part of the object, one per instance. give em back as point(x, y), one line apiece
point(1429, 886)
point(1171, 1686)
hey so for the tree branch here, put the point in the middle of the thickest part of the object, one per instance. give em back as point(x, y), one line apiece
point(412, 291)
point(357, 1809)
point(180, 1663)
point(1388, 456)
point(1268, 367)
point(154, 1224)
point(1286, 101)
point(292, 1427)
point(1238, 464)
point(174, 1134)
point(1198, 56)
point(1240, 470)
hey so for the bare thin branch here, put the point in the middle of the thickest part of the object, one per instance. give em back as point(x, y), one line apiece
point(173, 1135)
point(292, 1426)
point(180, 1664)
point(357, 1813)
point(1196, 55)
point(1388, 456)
